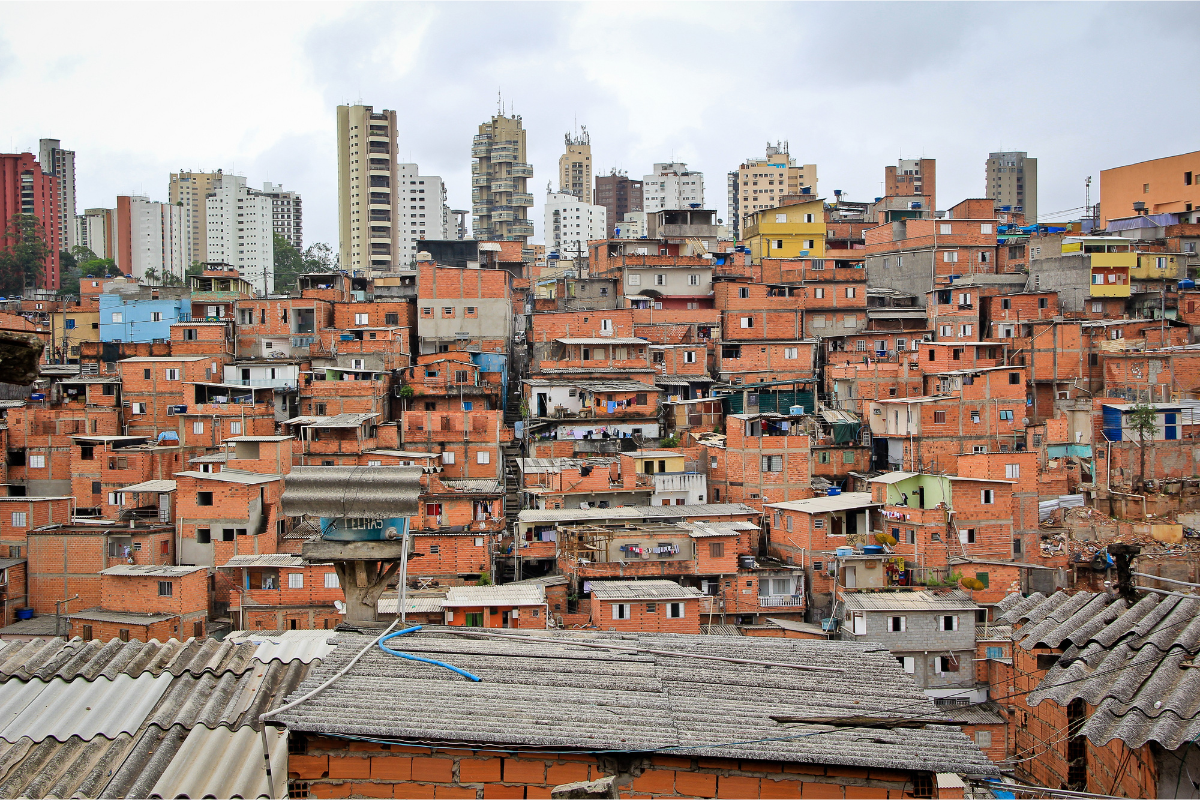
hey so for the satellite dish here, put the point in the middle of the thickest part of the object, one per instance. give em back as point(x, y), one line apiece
point(340, 606)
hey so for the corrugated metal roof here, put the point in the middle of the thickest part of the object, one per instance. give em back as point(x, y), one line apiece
point(149, 570)
point(908, 601)
point(522, 594)
point(304, 649)
point(88, 660)
point(642, 590)
point(258, 438)
point(892, 477)
point(150, 486)
point(533, 692)
point(1126, 661)
point(342, 420)
point(121, 617)
point(721, 630)
point(239, 753)
point(61, 709)
point(413, 605)
point(473, 485)
point(610, 340)
point(823, 505)
point(636, 512)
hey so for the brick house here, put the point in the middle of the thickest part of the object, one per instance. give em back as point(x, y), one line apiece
point(144, 602)
point(280, 591)
point(650, 606)
point(227, 513)
point(764, 458)
point(14, 589)
point(509, 606)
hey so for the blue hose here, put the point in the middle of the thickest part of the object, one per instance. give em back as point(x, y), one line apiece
point(450, 667)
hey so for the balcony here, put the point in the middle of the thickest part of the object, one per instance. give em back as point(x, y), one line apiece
point(378, 147)
point(481, 149)
point(520, 170)
point(780, 601)
point(522, 199)
point(503, 186)
point(502, 216)
point(381, 199)
point(273, 383)
point(481, 180)
point(504, 152)
point(521, 229)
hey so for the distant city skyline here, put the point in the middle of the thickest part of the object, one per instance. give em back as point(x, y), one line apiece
point(940, 101)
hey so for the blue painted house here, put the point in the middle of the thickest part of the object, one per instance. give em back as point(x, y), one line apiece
point(139, 319)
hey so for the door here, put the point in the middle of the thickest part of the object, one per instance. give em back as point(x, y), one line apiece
point(505, 620)
point(851, 579)
point(837, 526)
point(541, 405)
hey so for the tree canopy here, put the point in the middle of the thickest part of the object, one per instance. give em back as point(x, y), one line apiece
point(23, 254)
point(291, 263)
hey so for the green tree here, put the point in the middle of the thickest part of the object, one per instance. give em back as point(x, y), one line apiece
point(68, 274)
point(320, 257)
point(99, 268)
point(23, 254)
point(289, 263)
point(1143, 422)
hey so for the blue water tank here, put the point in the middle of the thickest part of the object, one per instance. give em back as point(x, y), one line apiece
point(845, 551)
point(1187, 284)
point(872, 549)
point(24, 613)
point(833, 491)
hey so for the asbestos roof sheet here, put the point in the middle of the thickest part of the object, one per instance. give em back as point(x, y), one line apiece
point(643, 590)
point(473, 485)
point(567, 515)
point(505, 595)
point(61, 709)
point(265, 560)
point(846, 501)
point(121, 617)
point(1127, 661)
point(908, 601)
point(534, 692)
point(342, 420)
point(159, 570)
point(239, 753)
point(89, 660)
point(893, 477)
point(610, 340)
point(158, 487)
point(233, 476)
point(412, 605)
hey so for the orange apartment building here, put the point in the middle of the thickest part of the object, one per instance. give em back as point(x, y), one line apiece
point(521, 605)
point(765, 458)
point(281, 591)
point(652, 606)
point(228, 513)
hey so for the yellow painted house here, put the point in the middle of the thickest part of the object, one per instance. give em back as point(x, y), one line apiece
point(792, 231)
point(1161, 266)
point(73, 326)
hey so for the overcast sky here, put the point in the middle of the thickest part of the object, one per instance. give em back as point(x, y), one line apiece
point(140, 90)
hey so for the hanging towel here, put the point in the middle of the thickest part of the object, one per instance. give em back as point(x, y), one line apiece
point(612, 406)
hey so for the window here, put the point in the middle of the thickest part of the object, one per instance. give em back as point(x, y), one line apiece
point(945, 228)
point(483, 457)
point(908, 663)
point(87, 633)
point(772, 463)
point(747, 322)
point(965, 330)
point(203, 535)
point(1012, 471)
point(37, 462)
point(693, 280)
point(983, 739)
point(118, 316)
point(950, 256)
point(946, 664)
point(849, 291)
point(967, 536)
point(675, 610)
point(1007, 415)
point(660, 279)
point(743, 292)
point(166, 588)
point(897, 624)
point(123, 634)
point(689, 356)
point(295, 580)
point(448, 457)
point(791, 353)
point(426, 311)
point(198, 426)
point(979, 448)
point(620, 610)
point(137, 408)
point(975, 417)
point(635, 279)
point(716, 549)
point(331, 580)
point(910, 535)
point(204, 498)
point(987, 496)
point(939, 417)
point(782, 218)
point(18, 519)
point(948, 622)
point(819, 523)
point(819, 293)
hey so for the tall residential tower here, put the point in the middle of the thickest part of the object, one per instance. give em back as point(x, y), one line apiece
point(1012, 181)
point(761, 183)
point(190, 189)
point(575, 166)
point(672, 186)
point(368, 235)
point(619, 195)
point(61, 164)
point(912, 177)
point(500, 176)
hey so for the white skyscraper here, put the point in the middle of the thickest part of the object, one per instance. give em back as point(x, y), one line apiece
point(287, 214)
point(421, 210)
point(240, 231)
point(61, 163)
point(571, 223)
point(151, 238)
point(672, 186)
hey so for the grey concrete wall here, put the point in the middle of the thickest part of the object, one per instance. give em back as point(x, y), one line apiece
point(914, 277)
point(1070, 275)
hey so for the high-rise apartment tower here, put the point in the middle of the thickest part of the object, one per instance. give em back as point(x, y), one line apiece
point(500, 176)
point(61, 164)
point(762, 183)
point(287, 213)
point(1012, 181)
point(368, 235)
point(191, 189)
point(619, 195)
point(575, 166)
point(912, 177)
point(672, 186)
